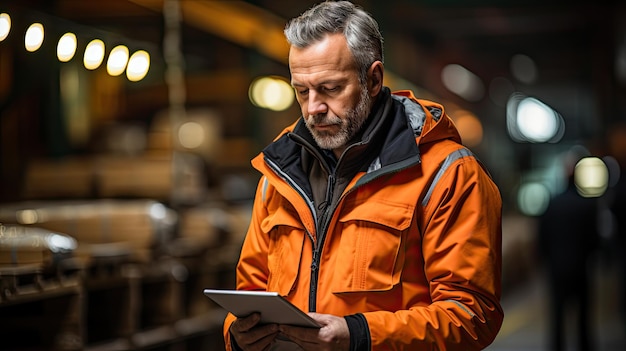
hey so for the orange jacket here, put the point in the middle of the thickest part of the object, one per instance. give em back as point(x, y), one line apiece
point(414, 245)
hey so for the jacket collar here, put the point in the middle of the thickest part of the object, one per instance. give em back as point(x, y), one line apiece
point(387, 138)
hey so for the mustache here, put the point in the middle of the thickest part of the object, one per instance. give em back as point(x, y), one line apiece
point(323, 119)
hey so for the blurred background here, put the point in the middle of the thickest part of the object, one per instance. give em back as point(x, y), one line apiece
point(127, 127)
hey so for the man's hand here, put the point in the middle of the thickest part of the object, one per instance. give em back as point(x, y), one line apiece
point(333, 335)
point(253, 337)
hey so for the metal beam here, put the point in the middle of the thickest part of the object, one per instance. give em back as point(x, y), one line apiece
point(236, 21)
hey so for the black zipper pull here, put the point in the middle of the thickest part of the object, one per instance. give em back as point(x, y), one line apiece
point(315, 264)
point(329, 188)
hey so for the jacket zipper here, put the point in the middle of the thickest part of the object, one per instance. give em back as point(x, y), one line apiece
point(311, 205)
point(297, 188)
point(322, 226)
point(317, 250)
point(328, 213)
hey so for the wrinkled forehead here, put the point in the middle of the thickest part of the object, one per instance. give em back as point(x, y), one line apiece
point(331, 53)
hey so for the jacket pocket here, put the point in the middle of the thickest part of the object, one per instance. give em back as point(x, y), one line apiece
point(371, 248)
point(286, 242)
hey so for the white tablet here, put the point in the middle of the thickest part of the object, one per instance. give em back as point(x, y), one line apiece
point(273, 307)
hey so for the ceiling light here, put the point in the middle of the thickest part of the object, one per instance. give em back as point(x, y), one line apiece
point(94, 54)
point(118, 58)
point(138, 66)
point(34, 37)
point(5, 25)
point(66, 48)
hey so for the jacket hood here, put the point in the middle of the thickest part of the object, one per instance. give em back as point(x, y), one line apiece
point(428, 119)
point(390, 141)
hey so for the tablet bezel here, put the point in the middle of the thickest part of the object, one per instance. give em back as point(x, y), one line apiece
point(273, 307)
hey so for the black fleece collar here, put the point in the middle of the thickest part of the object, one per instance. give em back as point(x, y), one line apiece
point(387, 139)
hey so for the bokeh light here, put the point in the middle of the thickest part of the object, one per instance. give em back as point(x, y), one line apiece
point(29, 216)
point(591, 177)
point(191, 135)
point(469, 126)
point(138, 66)
point(60, 243)
point(536, 121)
point(66, 48)
point(462, 82)
point(34, 37)
point(94, 54)
point(118, 59)
point(273, 93)
point(530, 120)
point(5, 25)
point(533, 198)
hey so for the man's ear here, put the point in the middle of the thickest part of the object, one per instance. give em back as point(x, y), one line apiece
point(375, 77)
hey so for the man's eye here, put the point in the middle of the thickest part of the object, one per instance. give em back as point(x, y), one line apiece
point(303, 91)
point(331, 89)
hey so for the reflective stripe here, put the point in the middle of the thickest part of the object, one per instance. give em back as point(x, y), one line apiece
point(374, 166)
point(264, 191)
point(463, 307)
point(455, 155)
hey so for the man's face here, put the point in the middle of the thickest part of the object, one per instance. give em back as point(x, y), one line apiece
point(333, 101)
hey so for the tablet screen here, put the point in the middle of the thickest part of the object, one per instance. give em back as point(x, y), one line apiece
point(273, 307)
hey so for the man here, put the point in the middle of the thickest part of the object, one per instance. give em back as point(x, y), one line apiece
point(568, 237)
point(370, 214)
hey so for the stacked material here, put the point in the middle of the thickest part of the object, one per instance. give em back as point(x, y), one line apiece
point(100, 226)
point(21, 245)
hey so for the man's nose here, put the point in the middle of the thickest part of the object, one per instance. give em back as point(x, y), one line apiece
point(316, 104)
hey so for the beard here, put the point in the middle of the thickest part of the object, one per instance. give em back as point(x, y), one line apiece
point(348, 127)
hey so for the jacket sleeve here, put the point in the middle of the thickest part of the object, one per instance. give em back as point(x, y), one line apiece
point(461, 231)
point(252, 272)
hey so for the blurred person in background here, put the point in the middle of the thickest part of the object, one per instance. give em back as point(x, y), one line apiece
point(370, 214)
point(617, 146)
point(568, 235)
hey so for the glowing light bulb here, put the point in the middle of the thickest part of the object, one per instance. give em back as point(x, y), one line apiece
point(138, 66)
point(94, 54)
point(34, 37)
point(5, 25)
point(118, 58)
point(66, 48)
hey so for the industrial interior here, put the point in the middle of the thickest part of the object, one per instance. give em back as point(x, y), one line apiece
point(127, 128)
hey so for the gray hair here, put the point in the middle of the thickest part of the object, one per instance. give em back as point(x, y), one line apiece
point(331, 17)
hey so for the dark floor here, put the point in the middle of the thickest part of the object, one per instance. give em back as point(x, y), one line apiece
point(526, 314)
